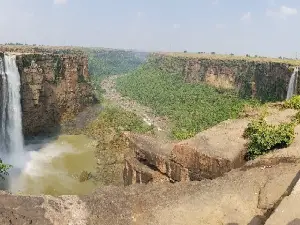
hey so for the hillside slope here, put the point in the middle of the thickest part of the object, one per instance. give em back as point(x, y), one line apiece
point(196, 93)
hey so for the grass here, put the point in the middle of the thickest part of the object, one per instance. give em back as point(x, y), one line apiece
point(292, 62)
point(190, 107)
point(293, 103)
point(115, 120)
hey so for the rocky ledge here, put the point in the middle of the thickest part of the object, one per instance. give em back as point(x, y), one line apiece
point(210, 154)
point(240, 197)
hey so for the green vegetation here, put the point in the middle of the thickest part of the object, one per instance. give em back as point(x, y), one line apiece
point(106, 62)
point(297, 117)
point(213, 55)
point(293, 103)
point(191, 107)
point(114, 119)
point(265, 137)
point(4, 169)
point(58, 70)
point(112, 145)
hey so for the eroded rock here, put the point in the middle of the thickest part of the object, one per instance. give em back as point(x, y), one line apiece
point(231, 199)
point(53, 87)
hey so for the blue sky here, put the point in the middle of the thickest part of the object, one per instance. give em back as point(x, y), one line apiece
point(263, 27)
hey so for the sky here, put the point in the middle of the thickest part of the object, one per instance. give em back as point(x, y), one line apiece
point(262, 27)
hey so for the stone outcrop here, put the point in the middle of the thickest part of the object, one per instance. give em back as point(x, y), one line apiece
point(53, 86)
point(208, 155)
point(240, 197)
point(266, 80)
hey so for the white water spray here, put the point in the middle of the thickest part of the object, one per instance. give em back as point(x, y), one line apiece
point(292, 84)
point(11, 136)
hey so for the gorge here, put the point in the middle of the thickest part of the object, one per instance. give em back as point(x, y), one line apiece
point(199, 180)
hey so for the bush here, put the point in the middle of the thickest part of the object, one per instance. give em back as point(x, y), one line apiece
point(265, 137)
point(296, 118)
point(4, 169)
point(293, 103)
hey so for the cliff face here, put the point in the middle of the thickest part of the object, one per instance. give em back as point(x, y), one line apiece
point(52, 87)
point(265, 80)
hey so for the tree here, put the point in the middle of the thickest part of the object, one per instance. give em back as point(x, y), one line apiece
point(4, 169)
point(213, 53)
point(185, 51)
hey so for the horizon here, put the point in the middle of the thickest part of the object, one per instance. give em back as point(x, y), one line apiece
point(264, 28)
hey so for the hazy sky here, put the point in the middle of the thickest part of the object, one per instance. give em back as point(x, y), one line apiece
point(263, 27)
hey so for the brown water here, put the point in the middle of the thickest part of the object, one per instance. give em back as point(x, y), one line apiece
point(55, 168)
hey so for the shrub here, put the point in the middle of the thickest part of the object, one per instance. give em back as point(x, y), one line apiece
point(4, 169)
point(296, 118)
point(293, 103)
point(265, 137)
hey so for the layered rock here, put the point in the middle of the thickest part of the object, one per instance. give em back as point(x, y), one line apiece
point(241, 197)
point(266, 79)
point(208, 155)
point(53, 87)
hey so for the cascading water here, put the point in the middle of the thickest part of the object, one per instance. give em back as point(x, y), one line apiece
point(45, 166)
point(11, 137)
point(292, 84)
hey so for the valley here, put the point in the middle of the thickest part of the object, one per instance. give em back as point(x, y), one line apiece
point(162, 138)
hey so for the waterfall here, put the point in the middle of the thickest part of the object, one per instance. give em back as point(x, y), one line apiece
point(292, 84)
point(11, 136)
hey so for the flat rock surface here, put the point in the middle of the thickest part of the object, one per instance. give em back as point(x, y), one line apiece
point(288, 212)
point(224, 140)
point(232, 199)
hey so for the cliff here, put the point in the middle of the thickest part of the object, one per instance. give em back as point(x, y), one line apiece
point(53, 87)
point(263, 78)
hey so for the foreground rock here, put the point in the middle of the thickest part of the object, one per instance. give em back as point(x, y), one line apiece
point(208, 155)
point(237, 198)
point(288, 210)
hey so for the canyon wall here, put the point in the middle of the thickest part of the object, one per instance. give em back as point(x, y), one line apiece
point(54, 87)
point(265, 79)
